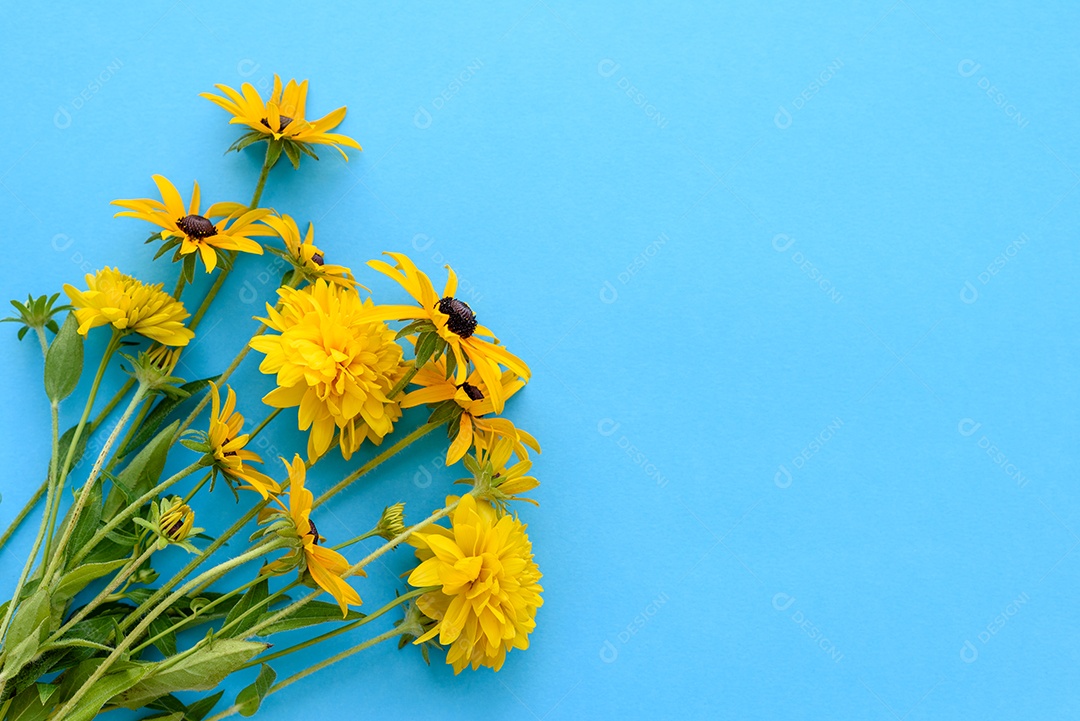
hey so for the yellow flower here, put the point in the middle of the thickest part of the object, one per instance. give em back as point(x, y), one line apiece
point(177, 519)
point(304, 255)
point(326, 566)
point(131, 306)
point(474, 400)
point(336, 361)
point(164, 358)
point(227, 446)
point(454, 321)
point(197, 232)
point(501, 480)
point(489, 585)
point(282, 116)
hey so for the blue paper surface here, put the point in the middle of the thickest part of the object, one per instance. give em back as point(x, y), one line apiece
point(797, 282)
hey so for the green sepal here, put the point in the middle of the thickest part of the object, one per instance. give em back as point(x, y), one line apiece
point(64, 361)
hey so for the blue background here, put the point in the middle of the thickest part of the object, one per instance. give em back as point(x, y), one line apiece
point(797, 283)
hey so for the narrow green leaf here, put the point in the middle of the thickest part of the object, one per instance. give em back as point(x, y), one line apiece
point(77, 579)
point(312, 613)
point(249, 699)
point(142, 473)
point(64, 361)
point(425, 346)
point(87, 524)
point(103, 691)
point(167, 643)
point(251, 599)
point(197, 711)
point(293, 154)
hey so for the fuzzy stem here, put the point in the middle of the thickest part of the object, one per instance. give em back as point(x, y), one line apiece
point(375, 462)
point(212, 574)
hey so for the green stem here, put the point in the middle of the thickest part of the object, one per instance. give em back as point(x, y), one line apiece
point(267, 164)
point(32, 558)
point(179, 289)
point(265, 422)
point(84, 494)
point(340, 629)
point(317, 667)
point(212, 574)
point(356, 568)
point(17, 521)
point(130, 509)
point(119, 578)
point(375, 462)
point(197, 487)
point(219, 281)
point(186, 621)
point(122, 450)
point(114, 344)
point(191, 566)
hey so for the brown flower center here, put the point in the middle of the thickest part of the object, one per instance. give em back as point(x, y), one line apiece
point(196, 226)
point(284, 121)
point(317, 258)
point(314, 531)
point(462, 320)
point(472, 391)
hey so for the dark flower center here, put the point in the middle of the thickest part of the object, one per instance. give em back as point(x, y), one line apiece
point(462, 319)
point(472, 391)
point(175, 528)
point(284, 123)
point(314, 531)
point(317, 258)
point(196, 226)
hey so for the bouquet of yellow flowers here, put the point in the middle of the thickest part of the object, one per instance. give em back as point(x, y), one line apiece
point(91, 626)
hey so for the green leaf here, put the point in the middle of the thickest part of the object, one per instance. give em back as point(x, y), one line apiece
point(167, 643)
point(65, 444)
point(312, 613)
point(202, 670)
point(253, 598)
point(197, 711)
point(417, 326)
point(293, 154)
point(31, 704)
point(188, 268)
point(445, 411)
point(77, 579)
point(273, 152)
point(425, 346)
point(104, 690)
point(143, 472)
point(64, 361)
point(249, 699)
point(451, 364)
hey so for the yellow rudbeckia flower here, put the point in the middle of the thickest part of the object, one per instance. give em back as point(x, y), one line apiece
point(227, 445)
point(489, 585)
point(281, 117)
point(304, 255)
point(474, 400)
point(130, 306)
point(335, 361)
point(326, 566)
point(198, 233)
point(455, 322)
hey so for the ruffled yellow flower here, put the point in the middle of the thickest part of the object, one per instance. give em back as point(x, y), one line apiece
point(282, 116)
point(455, 323)
point(196, 232)
point(336, 361)
point(304, 255)
point(474, 400)
point(489, 585)
point(227, 446)
point(326, 566)
point(130, 306)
